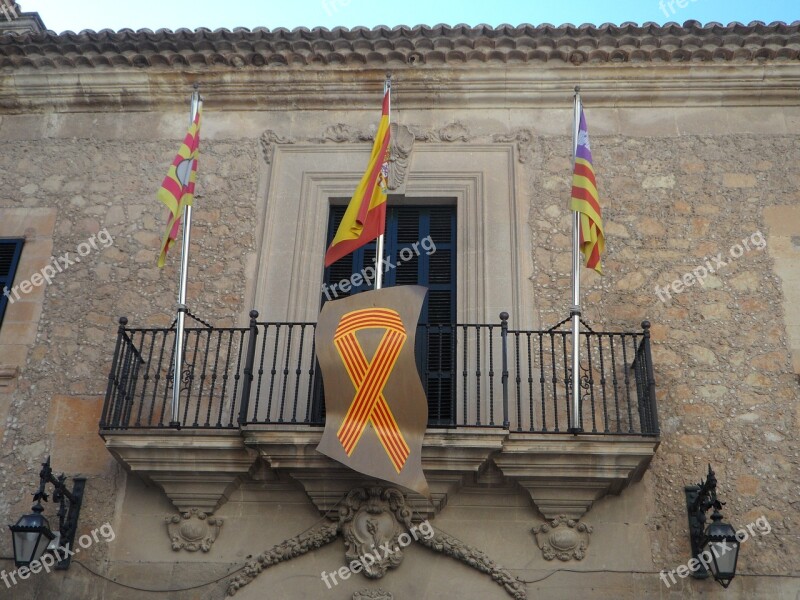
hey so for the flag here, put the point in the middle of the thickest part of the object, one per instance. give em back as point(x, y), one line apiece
point(376, 411)
point(177, 189)
point(585, 201)
point(365, 217)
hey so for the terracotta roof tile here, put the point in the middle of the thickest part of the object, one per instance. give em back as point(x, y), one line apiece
point(418, 46)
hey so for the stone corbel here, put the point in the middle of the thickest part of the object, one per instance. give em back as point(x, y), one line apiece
point(197, 470)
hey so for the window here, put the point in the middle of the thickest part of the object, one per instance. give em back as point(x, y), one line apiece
point(420, 242)
point(10, 251)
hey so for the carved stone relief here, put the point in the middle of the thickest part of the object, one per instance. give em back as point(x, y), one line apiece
point(268, 140)
point(367, 594)
point(193, 530)
point(372, 520)
point(402, 142)
point(563, 538)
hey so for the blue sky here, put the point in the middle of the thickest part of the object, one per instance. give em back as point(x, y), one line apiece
point(61, 15)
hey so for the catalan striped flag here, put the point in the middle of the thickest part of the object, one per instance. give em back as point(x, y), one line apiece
point(585, 201)
point(365, 217)
point(177, 190)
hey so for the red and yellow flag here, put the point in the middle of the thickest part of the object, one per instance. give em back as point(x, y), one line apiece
point(585, 200)
point(365, 217)
point(177, 189)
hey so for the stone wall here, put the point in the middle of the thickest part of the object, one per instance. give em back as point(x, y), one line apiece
point(673, 197)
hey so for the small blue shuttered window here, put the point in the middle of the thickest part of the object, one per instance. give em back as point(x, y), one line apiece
point(10, 250)
point(420, 242)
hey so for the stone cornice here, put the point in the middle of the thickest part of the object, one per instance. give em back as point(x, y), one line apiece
point(417, 47)
point(624, 85)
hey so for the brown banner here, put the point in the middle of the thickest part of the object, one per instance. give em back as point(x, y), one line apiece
point(376, 411)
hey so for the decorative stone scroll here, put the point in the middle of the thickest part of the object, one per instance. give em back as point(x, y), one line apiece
point(563, 538)
point(193, 530)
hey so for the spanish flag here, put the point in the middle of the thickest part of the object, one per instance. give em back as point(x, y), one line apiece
point(365, 217)
point(177, 190)
point(585, 201)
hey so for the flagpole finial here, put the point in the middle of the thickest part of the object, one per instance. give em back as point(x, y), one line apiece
point(196, 86)
point(577, 89)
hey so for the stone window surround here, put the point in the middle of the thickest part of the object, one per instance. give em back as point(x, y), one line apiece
point(493, 235)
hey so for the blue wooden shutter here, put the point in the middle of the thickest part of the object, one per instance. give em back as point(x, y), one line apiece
point(406, 227)
point(10, 251)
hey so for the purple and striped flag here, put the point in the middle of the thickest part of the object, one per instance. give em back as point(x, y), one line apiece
point(586, 201)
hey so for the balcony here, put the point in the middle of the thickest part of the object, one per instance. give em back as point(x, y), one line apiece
point(495, 394)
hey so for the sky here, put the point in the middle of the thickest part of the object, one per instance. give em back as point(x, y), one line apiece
point(76, 15)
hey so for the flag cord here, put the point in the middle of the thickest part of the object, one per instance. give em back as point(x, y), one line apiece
point(182, 309)
point(575, 308)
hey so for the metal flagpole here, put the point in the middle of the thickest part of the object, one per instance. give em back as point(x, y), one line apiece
point(181, 320)
point(575, 309)
point(387, 87)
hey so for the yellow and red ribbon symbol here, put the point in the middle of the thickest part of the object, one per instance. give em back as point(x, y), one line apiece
point(369, 379)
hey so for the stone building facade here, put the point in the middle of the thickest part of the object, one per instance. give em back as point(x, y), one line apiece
point(694, 133)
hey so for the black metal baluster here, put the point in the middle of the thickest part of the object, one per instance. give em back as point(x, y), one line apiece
point(603, 384)
point(202, 377)
point(589, 337)
point(518, 381)
point(541, 385)
point(157, 378)
point(286, 371)
point(113, 381)
point(464, 369)
point(261, 374)
point(298, 371)
point(235, 395)
point(190, 375)
point(478, 373)
point(627, 384)
point(252, 339)
point(168, 388)
point(555, 379)
point(504, 375)
point(146, 378)
point(612, 340)
point(218, 335)
point(225, 377)
point(274, 371)
point(651, 381)
point(491, 375)
point(568, 381)
point(312, 363)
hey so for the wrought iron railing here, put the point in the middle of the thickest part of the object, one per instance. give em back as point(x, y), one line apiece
point(475, 375)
